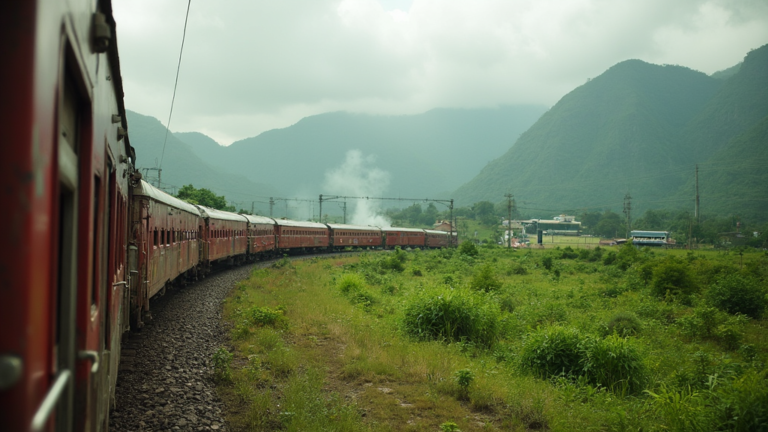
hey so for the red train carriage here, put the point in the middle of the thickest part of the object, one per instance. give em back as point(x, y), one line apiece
point(225, 236)
point(65, 169)
point(261, 236)
point(294, 235)
point(164, 244)
point(403, 237)
point(437, 239)
point(355, 236)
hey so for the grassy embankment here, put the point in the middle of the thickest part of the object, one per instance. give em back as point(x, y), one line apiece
point(613, 339)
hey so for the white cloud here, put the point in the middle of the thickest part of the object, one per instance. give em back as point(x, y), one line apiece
point(253, 66)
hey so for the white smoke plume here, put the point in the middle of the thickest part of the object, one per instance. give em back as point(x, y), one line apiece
point(358, 177)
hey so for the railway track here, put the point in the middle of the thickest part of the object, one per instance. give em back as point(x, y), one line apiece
point(165, 380)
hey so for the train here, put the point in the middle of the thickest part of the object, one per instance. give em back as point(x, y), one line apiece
point(87, 243)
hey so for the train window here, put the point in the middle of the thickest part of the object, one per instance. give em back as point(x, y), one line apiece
point(162, 237)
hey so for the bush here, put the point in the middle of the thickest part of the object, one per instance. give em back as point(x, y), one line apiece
point(623, 324)
point(609, 258)
point(613, 363)
point(735, 293)
point(468, 248)
point(350, 282)
point(485, 279)
point(264, 316)
point(221, 360)
point(452, 316)
point(519, 269)
point(546, 262)
point(552, 352)
point(569, 253)
point(672, 276)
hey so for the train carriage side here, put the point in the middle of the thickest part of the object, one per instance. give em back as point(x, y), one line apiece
point(301, 236)
point(437, 239)
point(225, 235)
point(165, 242)
point(404, 237)
point(354, 236)
point(261, 236)
point(66, 165)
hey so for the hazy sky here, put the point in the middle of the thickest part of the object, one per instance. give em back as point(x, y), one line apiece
point(254, 65)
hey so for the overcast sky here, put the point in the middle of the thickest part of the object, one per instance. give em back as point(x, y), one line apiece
point(253, 65)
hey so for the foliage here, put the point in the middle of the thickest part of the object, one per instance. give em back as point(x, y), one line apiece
point(552, 352)
point(203, 197)
point(485, 279)
point(222, 359)
point(612, 362)
point(463, 378)
point(449, 426)
point(623, 324)
point(264, 316)
point(452, 315)
point(735, 293)
point(673, 276)
point(468, 248)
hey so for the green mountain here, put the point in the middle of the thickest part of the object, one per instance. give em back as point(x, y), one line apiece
point(640, 129)
point(426, 155)
point(182, 166)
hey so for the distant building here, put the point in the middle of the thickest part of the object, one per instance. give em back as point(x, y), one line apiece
point(650, 238)
point(442, 226)
point(558, 225)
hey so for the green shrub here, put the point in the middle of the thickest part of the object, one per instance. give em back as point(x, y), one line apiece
point(452, 315)
point(463, 378)
point(264, 316)
point(735, 293)
point(546, 262)
point(742, 403)
point(485, 279)
point(568, 253)
point(614, 363)
point(221, 360)
point(392, 263)
point(555, 351)
point(468, 248)
point(596, 255)
point(623, 324)
point(350, 282)
point(609, 258)
point(519, 269)
point(701, 323)
point(674, 277)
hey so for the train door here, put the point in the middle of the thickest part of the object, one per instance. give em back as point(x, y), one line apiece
point(66, 289)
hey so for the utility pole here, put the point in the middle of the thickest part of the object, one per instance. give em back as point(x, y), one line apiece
point(628, 212)
point(271, 205)
point(697, 213)
point(509, 218)
point(252, 206)
point(321, 208)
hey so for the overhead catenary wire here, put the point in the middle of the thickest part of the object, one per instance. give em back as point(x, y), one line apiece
point(176, 83)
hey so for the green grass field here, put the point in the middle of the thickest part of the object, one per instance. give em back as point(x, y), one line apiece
point(495, 339)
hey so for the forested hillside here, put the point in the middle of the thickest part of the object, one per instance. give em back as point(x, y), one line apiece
point(640, 129)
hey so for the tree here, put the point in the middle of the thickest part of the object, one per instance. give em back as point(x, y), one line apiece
point(484, 212)
point(203, 197)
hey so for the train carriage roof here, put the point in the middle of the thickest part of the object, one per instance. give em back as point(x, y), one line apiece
point(435, 232)
point(397, 229)
point(210, 213)
point(146, 189)
point(353, 227)
point(299, 224)
point(259, 220)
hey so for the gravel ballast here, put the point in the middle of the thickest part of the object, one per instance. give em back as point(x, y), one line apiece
point(165, 378)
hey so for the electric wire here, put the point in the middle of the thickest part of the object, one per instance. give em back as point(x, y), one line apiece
point(175, 84)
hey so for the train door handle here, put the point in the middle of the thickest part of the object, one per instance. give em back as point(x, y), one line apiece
point(93, 356)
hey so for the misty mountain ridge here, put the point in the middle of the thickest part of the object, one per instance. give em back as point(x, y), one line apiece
point(426, 155)
point(640, 128)
point(182, 166)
